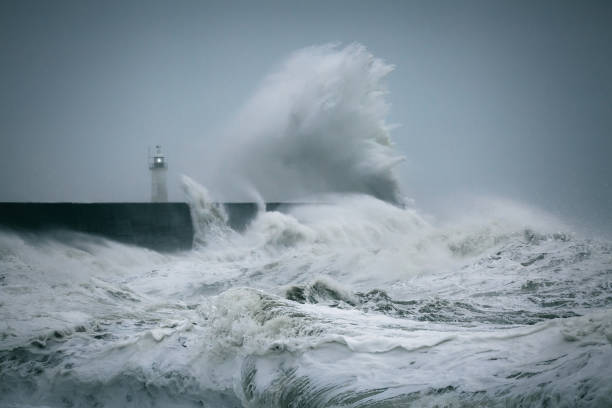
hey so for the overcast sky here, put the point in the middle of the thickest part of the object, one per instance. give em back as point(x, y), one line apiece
point(507, 98)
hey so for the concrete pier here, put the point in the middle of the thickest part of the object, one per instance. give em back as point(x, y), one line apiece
point(241, 214)
point(159, 226)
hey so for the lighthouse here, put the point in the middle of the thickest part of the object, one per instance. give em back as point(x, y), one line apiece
point(158, 167)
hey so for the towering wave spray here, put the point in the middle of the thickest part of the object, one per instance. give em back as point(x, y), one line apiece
point(317, 125)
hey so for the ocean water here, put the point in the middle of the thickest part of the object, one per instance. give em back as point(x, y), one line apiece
point(352, 303)
point(356, 300)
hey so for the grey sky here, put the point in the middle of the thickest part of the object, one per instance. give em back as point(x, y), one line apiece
point(509, 98)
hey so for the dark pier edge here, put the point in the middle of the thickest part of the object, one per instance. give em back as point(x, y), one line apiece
point(159, 226)
point(163, 227)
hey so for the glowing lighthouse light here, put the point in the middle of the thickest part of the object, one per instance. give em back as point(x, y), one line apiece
point(158, 167)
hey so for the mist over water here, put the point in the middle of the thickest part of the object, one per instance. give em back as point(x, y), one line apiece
point(352, 301)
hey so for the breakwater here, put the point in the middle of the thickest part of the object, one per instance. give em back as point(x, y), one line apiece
point(159, 226)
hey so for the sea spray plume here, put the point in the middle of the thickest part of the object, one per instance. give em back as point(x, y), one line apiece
point(317, 125)
point(209, 218)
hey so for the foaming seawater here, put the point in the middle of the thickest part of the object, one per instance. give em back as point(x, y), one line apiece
point(354, 302)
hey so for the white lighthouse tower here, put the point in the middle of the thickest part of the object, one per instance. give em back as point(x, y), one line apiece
point(158, 167)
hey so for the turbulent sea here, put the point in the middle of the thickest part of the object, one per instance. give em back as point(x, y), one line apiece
point(356, 301)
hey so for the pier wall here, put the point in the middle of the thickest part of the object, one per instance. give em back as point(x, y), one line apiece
point(160, 226)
